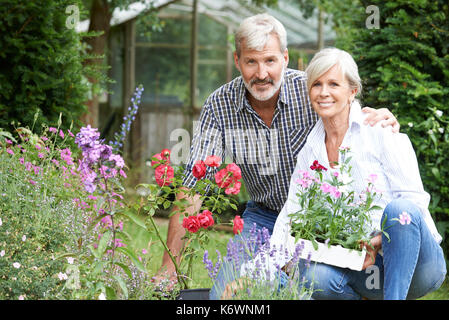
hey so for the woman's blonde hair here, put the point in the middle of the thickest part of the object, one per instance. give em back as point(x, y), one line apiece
point(329, 57)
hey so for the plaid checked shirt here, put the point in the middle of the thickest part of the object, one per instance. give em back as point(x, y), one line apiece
point(230, 128)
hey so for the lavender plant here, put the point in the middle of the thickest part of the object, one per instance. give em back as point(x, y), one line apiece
point(120, 136)
point(285, 283)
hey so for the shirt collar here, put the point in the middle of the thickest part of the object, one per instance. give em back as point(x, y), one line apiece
point(356, 118)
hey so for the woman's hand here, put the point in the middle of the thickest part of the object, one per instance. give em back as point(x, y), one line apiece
point(372, 248)
point(376, 115)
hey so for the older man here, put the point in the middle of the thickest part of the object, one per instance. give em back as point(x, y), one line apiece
point(260, 120)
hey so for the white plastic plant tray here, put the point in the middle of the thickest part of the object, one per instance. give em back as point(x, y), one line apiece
point(333, 255)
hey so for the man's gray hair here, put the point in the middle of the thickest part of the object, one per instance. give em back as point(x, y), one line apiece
point(255, 31)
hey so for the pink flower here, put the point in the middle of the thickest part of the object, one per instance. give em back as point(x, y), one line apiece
point(61, 134)
point(10, 151)
point(212, 161)
point(32, 182)
point(205, 218)
point(164, 175)
point(237, 225)
point(404, 218)
point(53, 130)
point(235, 189)
point(70, 133)
point(223, 178)
point(326, 188)
point(40, 155)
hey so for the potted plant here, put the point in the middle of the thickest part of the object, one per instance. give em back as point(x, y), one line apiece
point(333, 221)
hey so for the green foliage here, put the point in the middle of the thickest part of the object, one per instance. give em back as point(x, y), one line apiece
point(41, 63)
point(404, 66)
point(38, 217)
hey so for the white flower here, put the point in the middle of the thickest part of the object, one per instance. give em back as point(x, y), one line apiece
point(1, 222)
point(70, 260)
point(2, 253)
point(410, 124)
point(24, 237)
point(441, 130)
point(102, 296)
point(430, 131)
point(62, 276)
point(16, 265)
point(439, 113)
point(21, 297)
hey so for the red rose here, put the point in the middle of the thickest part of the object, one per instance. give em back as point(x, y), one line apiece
point(238, 225)
point(316, 166)
point(191, 223)
point(165, 153)
point(235, 189)
point(223, 178)
point(236, 172)
point(164, 175)
point(205, 219)
point(199, 169)
point(158, 156)
point(212, 161)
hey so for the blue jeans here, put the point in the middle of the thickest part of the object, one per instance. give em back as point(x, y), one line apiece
point(412, 264)
point(253, 214)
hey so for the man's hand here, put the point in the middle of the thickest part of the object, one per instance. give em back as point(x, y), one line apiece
point(372, 248)
point(376, 115)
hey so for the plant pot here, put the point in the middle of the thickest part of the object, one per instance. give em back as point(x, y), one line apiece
point(334, 255)
point(194, 294)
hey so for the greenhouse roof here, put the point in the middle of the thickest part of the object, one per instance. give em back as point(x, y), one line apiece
point(300, 31)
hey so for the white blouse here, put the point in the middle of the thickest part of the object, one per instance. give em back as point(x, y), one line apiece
point(374, 150)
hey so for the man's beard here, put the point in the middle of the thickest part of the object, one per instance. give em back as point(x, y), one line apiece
point(265, 94)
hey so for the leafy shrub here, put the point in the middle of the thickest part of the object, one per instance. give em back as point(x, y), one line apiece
point(41, 62)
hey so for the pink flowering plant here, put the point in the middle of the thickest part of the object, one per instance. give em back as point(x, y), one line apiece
point(331, 212)
point(216, 197)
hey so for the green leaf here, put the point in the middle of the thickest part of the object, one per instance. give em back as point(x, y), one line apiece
point(122, 285)
point(133, 258)
point(125, 269)
point(102, 245)
point(134, 218)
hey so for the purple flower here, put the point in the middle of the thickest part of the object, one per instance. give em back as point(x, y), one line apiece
point(87, 137)
point(404, 218)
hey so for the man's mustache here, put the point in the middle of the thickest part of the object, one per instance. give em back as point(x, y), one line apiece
point(261, 81)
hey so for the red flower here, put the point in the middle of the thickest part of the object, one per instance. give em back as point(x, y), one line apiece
point(199, 169)
point(162, 158)
point(316, 166)
point(212, 161)
point(238, 225)
point(191, 223)
point(165, 153)
point(223, 178)
point(164, 175)
point(158, 156)
point(236, 172)
point(235, 189)
point(205, 219)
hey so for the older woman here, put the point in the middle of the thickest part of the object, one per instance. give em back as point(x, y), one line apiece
point(412, 263)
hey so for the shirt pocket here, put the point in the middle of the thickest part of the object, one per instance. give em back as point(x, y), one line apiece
point(297, 139)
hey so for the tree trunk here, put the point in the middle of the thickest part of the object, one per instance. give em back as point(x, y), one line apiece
point(100, 18)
